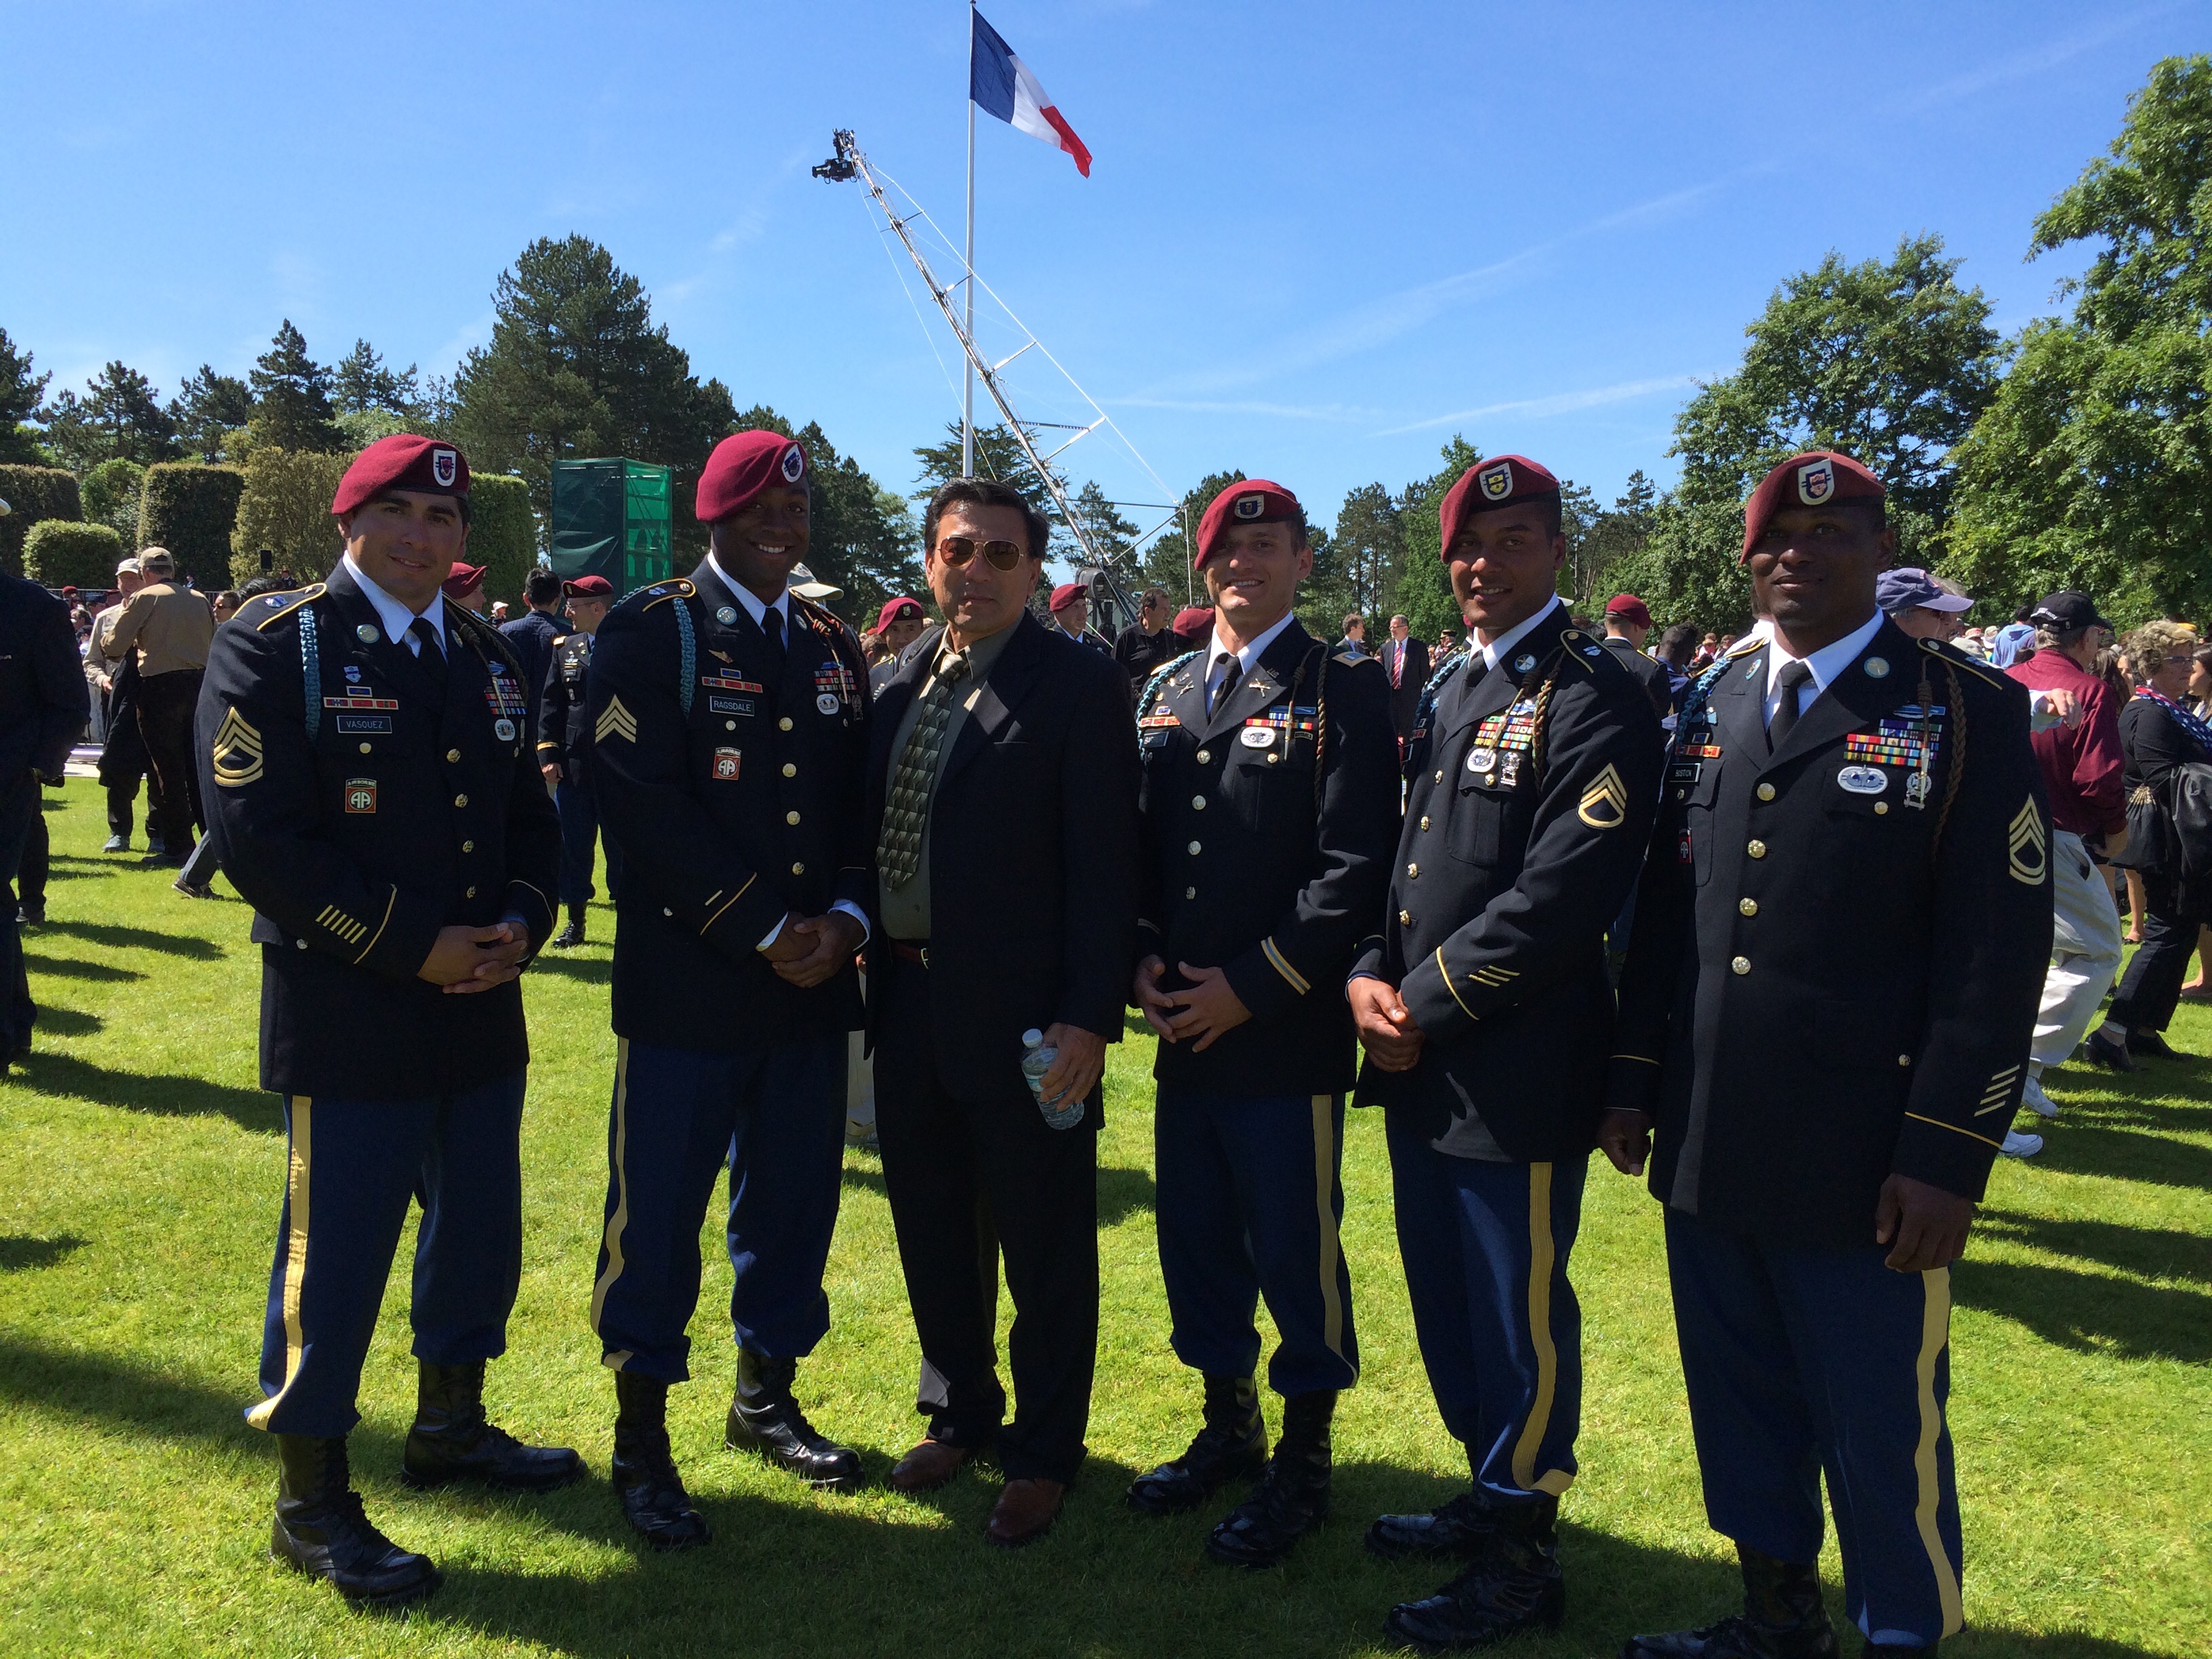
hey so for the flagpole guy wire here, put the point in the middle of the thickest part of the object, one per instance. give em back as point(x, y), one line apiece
point(968, 402)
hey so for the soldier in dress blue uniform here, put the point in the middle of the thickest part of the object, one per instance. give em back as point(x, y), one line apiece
point(729, 729)
point(364, 755)
point(1836, 967)
point(1532, 773)
point(1269, 815)
point(564, 749)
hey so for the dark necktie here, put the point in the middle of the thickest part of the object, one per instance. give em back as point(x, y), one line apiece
point(1228, 687)
point(906, 804)
point(772, 627)
point(1788, 682)
point(431, 654)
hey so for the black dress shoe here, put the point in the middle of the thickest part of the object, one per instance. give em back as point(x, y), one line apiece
point(2154, 1044)
point(1233, 1446)
point(319, 1529)
point(155, 845)
point(1782, 1618)
point(116, 844)
point(452, 1439)
point(1291, 1499)
point(765, 1418)
point(31, 915)
point(652, 1493)
point(571, 936)
point(1514, 1584)
point(1461, 1528)
point(2113, 1056)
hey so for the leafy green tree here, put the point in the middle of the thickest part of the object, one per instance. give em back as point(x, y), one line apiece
point(862, 538)
point(1112, 536)
point(111, 496)
point(1424, 594)
point(2092, 468)
point(210, 410)
point(1617, 532)
point(997, 455)
point(577, 368)
point(119, 414)
point(20, 393)
point(1579, 518)
point(292, 397)
point(363, 382)
point(284, 511)
point(1367, 552)
point(1165, 562)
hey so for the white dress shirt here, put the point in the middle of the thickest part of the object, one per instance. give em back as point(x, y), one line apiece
point(1827, 663)
point(1495, 651)
point(1247, 659)
point(397, 617)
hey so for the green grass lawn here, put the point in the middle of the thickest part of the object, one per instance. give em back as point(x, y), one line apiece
point(140, 1175)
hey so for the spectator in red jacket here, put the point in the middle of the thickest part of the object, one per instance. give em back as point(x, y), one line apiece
point(2082, 761)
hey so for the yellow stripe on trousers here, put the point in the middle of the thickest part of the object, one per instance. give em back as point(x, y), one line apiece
point(619, 1221)
point(1935, 1336)
point(1554, 1481)
point(1332, 1304)
point(295, 1250)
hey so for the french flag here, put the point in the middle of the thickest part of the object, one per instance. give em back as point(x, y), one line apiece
point(1001, 85)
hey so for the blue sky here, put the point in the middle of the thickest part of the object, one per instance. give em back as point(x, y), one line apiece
point(1317, 241)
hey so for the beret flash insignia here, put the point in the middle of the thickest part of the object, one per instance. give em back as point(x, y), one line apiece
point(445, 466)
point(1249, 506)
point(1495, 483)
point(1816, 482)
point(795, 463)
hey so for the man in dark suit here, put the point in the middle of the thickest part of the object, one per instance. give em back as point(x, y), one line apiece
point(367, 774)
point(530, 635)
point(1839, 950)
point(44, 704)
point(1002, 802)
point(1485, 1011)
point(1406, 660)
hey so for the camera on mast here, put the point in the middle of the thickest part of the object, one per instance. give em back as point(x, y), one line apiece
point(839, 168)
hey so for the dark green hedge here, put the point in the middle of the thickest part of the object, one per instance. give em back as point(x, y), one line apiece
point(59, 552)
point(33, 493)
point(502, 535)
point(189, 509)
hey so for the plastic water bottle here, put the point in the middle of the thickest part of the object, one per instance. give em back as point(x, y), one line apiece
point(1037, 1058)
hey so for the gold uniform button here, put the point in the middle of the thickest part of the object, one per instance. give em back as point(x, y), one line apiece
point(1748, 906)
point(666, 911)
point(1405, 918)
point(1190, 892)
point(798, 869)
point(303, 944)
point(468, 847)
point(1193, 847)
point(1766, 791)
point(790, 770)
point(460, 800)
point(1204, 755)
point(1414, 871)
point(1757, 849)
point(452, 754)
point(729, 726)
point(1904, 1059)
point(1425, 820)
point(1741, 965)
point(472, 893)
point(1881, 807)
point(1198, 803)
point(364, 749)
point(791, 818)
point(784, 724)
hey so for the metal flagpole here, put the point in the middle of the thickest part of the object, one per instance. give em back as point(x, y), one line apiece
point(968, 402)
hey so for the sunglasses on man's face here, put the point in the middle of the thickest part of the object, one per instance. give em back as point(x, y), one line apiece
point(956, 550)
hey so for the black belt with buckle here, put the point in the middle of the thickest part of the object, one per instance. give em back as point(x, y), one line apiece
point(911, 951)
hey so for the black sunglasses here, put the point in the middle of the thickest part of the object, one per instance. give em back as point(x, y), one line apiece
point(956, 550)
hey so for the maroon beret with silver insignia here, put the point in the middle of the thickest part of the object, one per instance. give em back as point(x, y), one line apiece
point(588, 587)
point(1499, 482)
point(1251, 501)
point(1813, 479)
point(742, 466)
point(403, 461)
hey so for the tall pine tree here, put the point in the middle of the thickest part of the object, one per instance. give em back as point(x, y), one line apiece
point(292, 397)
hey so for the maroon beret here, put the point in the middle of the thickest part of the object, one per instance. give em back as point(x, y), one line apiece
point(1812, 479)
point(900, 610)
point(465, 579)
point(1067, 593)
point(1194, 622)
point(742, 466)
point(588, 587)
point(1498, 482)
point(403, 461)
point(1629, 608)
point(1252, 501)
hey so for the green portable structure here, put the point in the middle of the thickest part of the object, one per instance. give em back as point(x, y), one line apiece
point(611, 518)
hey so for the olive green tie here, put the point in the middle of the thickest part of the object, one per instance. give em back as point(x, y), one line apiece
point(906, 808)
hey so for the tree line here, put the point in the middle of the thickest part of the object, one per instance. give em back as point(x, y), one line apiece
point(2077, 452)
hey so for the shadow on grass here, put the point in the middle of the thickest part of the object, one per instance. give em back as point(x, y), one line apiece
point(118, 936)
point(23, 1255)
point(2091, 1313)
point(1120, 1192)
point(70, 967)
point(585, 970)
point(2149, 1252)
point(167, 1097)
point(68, 1021)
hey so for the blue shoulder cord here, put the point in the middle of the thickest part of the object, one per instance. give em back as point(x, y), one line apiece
point(1157, 683)
point(691, 653)
point(311, 671)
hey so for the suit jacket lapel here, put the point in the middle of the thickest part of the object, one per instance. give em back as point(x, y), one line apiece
point(1002, 691)
point(1740, 700)
point(1269, 675)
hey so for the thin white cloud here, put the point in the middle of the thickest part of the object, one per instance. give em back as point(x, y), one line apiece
point(475, 332)
point(1561, 403)
point(2021, 65)
point(1339, 412)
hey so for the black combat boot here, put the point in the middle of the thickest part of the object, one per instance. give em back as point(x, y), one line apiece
point(764, 1418)
point(1291, 1498)
point(1513, 1584)
point(652, 1497)
point(572, 934)
point(1461, 1529)
point(453, 1440)
point(319, 1529)
point(1233, 1446)
point(1782, 1618)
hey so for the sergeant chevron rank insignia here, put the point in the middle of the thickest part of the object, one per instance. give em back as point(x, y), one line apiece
point(616, 721)
point(1605, 803)
point(237, 751)
point(2030, 861)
